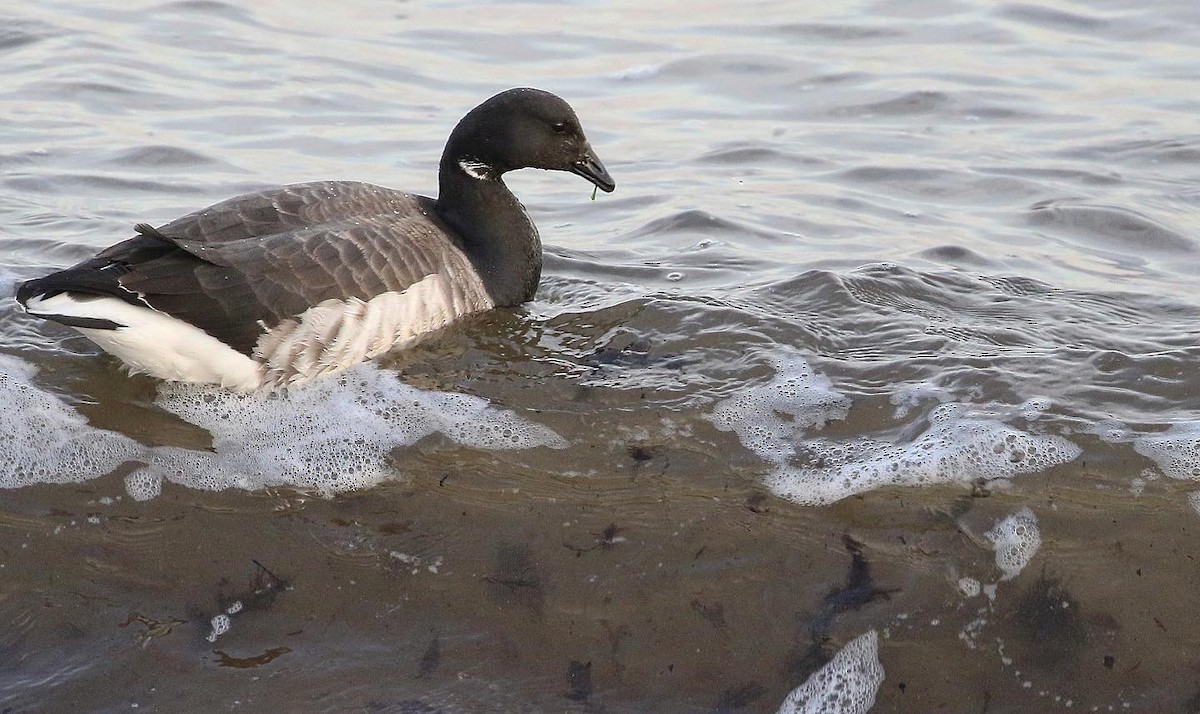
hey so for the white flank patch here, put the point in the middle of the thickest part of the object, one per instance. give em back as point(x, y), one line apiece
point(155, 343)
point(474, 169)
point(337, 334)
point(847, 684)
point(326, 338)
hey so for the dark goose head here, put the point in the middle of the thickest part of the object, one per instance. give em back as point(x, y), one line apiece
point(523, 128)
point(516, 129)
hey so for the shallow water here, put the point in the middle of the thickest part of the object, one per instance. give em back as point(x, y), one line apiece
point(891, 325)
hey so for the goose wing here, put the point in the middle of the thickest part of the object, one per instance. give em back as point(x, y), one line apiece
point(240, 267)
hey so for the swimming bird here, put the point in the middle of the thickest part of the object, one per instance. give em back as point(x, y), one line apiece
point(277, 287)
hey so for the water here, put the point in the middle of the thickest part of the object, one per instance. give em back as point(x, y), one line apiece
point(891, 327)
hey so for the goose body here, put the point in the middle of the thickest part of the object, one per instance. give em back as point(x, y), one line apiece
point(278, 287)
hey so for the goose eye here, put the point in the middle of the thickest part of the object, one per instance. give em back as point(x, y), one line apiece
point(560, 127)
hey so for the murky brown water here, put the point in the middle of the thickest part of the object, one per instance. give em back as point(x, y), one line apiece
point(938, 261)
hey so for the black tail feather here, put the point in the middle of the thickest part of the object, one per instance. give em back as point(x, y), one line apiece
point(149, 231)
point(82, 279)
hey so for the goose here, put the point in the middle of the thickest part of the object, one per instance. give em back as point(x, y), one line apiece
point(274, 288)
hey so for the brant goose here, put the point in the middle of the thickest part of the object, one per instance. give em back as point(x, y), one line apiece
point(277, 287)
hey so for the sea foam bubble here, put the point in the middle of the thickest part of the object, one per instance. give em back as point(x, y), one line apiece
point(958, 445)
point(769, 418)
point(955, 447)
point(332, 436)
point(1016, 539)
point(1176, 451)
point(847, 684)
point(44, 440)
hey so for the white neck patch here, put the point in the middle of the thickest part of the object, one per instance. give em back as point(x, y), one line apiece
point(474, 168)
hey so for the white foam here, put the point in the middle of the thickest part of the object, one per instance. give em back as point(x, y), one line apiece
point(1016, 540)
point(1035, 407)
point(770, 421)
point(220, 624)
point(45, 440)
point(769, 418)
point(333, 435)
point(1176, 451)
point(1194, 501)
point(908, 397)
point(143, 484)
point(969, 587)
point(955, 448)
point(1111, 431)
point(847, 684)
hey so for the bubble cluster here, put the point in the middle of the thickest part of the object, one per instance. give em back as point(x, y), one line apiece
point(218, 626)
point(909, 397)
point(1016, 540)
point(43, 440)
point(1111, 431)
point(847, 684)
point(330, 436)
point(956, 447)
point(143, 484)
point(1035, 407)
point(768, 418)
point(1176, 451)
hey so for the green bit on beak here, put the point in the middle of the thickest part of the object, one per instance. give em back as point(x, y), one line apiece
point(594, 188)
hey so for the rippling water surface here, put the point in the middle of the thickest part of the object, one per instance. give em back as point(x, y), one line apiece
point(888, 337)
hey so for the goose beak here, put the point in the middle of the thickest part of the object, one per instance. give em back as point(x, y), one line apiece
point(591, 169)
